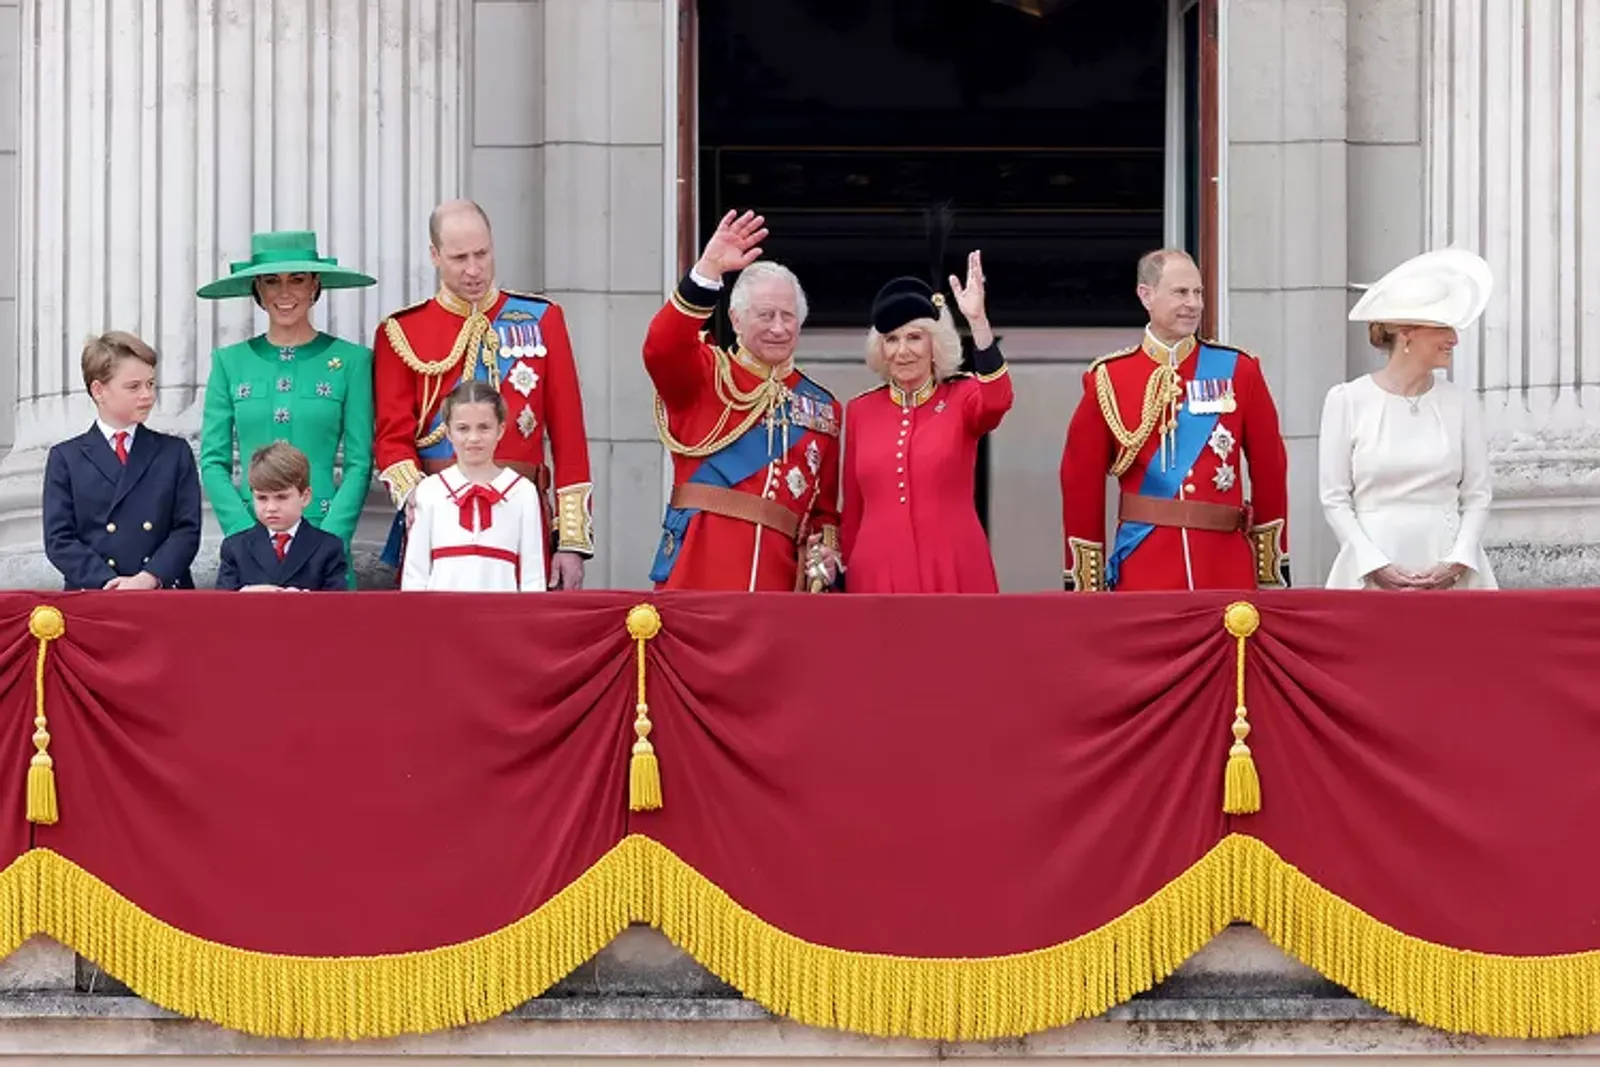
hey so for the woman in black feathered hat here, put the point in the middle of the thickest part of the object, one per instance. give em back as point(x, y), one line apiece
point(910, 446)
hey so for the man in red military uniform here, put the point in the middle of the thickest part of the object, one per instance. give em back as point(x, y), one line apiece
point(754, 443)
point(1171, 419)
point(516, 342)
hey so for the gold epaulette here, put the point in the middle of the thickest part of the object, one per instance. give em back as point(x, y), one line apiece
point(528, 296)
point(1118, 354)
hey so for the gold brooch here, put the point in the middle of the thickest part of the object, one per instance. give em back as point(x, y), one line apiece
point(335, 363)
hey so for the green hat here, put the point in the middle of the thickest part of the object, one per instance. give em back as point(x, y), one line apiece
point(284, 252)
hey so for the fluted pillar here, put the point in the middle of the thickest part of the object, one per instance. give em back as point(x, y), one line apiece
point(1513, 171)
point(157, 135)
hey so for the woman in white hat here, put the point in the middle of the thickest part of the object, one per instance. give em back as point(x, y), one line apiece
point(1404, 468)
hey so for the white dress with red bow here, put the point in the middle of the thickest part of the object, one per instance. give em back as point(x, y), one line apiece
point(469, 538)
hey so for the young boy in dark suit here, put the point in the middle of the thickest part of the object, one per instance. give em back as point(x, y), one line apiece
point(281, 551)
point(121, 501)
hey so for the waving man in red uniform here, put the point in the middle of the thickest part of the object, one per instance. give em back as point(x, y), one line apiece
point(1171, 419)
point(754, 443)
point(515, 342)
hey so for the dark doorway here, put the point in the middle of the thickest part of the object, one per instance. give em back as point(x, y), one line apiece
point(846, 121)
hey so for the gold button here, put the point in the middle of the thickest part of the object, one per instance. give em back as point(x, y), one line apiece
point(147, 526)
point(111, 527)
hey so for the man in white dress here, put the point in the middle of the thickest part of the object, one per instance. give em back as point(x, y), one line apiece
point(1403, 465)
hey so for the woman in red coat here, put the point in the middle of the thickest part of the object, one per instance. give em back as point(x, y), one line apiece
point(911, 445)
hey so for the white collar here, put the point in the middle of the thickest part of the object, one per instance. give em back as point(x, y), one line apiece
point(111, 432)
point(457, 482)
point(291, 531)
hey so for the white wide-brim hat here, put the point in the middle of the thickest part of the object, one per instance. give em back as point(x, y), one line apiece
point(1448, 287)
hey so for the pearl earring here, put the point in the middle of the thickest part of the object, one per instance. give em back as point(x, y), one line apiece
point(1405, 349)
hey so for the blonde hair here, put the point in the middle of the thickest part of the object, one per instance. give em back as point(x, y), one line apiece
point(1152, 265)
point(101, 355)
point(946, 346)
point(1381, 335)
point(279, 466)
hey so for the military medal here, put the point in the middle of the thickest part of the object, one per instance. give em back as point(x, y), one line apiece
point(537, 351)
point(813, 458)
point(796, 479)
point(526, 422)
point(1224, 478)
point(524, 378)
point(1221, 442)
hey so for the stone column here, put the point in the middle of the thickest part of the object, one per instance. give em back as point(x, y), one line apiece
point(570, 105)
point(1285, 226)
point(1513, 172)
point(156, 136)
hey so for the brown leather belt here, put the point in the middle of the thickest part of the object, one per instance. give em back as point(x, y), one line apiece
point(747, 507)
point(1191, 514)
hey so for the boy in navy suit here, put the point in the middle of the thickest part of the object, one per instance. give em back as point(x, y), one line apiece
point(121, 501)
point(281, 551)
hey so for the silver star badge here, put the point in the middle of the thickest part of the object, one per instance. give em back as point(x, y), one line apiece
point(796, 479)
point(524, 378)
point(526, 422)
point(1224, 478)
point(813, 458)
point(1222, 442)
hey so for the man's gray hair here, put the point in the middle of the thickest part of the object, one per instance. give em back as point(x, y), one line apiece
point(762, 270)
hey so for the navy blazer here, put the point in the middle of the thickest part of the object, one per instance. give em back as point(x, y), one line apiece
point(315, 561)
point(104, 520)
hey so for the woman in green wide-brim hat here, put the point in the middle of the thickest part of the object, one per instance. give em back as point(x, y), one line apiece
point(292, 383)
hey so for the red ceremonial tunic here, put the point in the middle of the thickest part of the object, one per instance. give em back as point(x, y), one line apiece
point(521, 345)
point(910, 524)
point(1174, 557)
point(697, 387)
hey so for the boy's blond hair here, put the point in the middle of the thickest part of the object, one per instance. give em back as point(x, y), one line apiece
point(279, 466)
point(101, 355)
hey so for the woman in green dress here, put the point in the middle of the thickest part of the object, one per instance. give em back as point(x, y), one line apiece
point(292, 383)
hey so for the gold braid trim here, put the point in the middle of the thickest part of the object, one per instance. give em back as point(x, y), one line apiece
point(755, 404)
point(953, 999)
point(477, 334)
point(1161, 391)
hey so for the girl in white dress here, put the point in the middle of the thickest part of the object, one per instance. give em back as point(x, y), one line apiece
point(1404, 468)
point(478, 527)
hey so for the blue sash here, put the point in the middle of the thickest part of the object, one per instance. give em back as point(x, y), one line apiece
point(739, 460)
point(517, 325)
point(1193, 432)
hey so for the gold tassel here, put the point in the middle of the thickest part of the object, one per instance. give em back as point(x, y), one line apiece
point(644, 771)
point(46, 623)
point(1241, 789)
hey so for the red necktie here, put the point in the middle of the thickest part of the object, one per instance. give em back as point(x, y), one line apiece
point(280, 545)
point(121, 437)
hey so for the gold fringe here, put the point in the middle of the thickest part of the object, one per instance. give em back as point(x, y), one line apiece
point(641, 880)
point(1241, 786)
point(947, 999)
point(344, 998)
point(644, 772)
point(45, 623)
